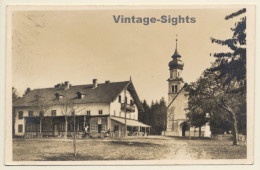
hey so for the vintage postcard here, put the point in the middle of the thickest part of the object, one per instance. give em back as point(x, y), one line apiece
point(130, 85)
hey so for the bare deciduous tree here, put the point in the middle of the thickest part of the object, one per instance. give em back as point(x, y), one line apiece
point(42, 107)
point(70, 108)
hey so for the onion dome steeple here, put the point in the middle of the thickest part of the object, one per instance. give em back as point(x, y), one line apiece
point(176, 54)
point(176, 62)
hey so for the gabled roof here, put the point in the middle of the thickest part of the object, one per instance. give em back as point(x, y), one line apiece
point(103, 93)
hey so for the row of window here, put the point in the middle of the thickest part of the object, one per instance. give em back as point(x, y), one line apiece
point(120, 100)
point(100, 112)
point(30, 114)
point(49, 126)
point(35, 127)
point(53, 113)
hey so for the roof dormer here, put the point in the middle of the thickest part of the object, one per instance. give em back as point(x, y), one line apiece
point(58, 96)
point(80, 95)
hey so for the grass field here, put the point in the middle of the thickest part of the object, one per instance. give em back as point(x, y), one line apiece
point(132, 148)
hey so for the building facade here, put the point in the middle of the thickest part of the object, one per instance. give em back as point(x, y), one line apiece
point(177, 124)
point(109, 106)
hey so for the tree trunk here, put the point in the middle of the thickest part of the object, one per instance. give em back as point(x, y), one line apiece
point(233, 121)
point(165, 125)
point(235, 129)
point(190, 132)
point(200, 132)
point(74, 140)
point(40, 127)
point(66, 127)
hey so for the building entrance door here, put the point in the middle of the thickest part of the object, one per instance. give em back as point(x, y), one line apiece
point(184, 127)
point(183, 130)
point(99, 128)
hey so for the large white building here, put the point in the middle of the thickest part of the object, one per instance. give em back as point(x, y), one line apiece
point(103, 107)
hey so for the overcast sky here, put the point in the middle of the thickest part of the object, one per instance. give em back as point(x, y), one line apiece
point(50, 47)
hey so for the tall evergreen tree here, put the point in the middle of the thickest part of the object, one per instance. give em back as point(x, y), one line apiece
point(14, 98)
point(14, 94)
point(27, 91)
point(154, 116)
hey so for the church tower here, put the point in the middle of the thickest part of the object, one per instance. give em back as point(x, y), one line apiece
point(175, 82)
point(178, 98)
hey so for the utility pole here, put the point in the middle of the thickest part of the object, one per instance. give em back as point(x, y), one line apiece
point(125, 115)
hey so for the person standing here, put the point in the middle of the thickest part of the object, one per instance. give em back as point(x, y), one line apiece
point(86, 131)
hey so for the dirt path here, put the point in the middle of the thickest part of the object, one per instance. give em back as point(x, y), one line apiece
point(132, 148)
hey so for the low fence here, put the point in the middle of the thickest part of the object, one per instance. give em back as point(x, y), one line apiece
point(187, 133)
point(194, 133)
point(117, 134)
point(28, 135)
point(241, 137)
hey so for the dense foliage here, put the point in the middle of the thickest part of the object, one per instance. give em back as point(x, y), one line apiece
point(221, 89)
point(155, 116)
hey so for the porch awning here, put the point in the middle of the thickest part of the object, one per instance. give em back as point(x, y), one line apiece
point(129, 122)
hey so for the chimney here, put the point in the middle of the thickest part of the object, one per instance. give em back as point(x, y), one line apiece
point(95, 83)
point(107, 81)
point(66, 85)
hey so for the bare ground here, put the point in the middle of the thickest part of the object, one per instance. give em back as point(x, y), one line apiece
point(132, 148)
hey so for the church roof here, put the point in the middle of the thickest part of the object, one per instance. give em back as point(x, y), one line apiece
point(103, 93)
point(176, 54)
point(176, 62)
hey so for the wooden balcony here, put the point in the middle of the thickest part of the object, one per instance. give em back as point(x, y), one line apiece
point(129, 108)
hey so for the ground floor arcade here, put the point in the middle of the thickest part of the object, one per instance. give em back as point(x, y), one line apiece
point(98, 125)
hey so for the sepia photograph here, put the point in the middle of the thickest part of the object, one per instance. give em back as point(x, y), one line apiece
point(140, 84)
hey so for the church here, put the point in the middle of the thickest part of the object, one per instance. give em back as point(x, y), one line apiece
point(178, 94)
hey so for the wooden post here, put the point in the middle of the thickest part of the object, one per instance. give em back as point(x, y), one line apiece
point(125, 115)
point(77, 120)
point(108, 124)
point(84, 124)
point(74, 140)
point(53, 128)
